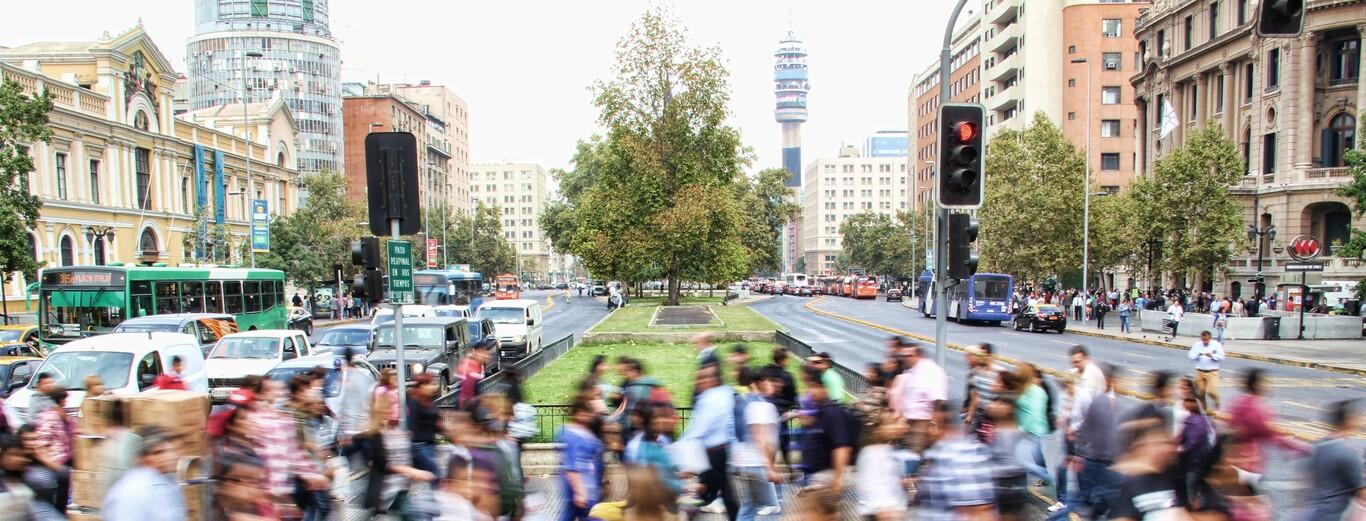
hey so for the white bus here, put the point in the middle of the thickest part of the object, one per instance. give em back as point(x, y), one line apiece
point(795, 280)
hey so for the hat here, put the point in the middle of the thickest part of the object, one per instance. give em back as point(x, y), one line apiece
point(241, 397)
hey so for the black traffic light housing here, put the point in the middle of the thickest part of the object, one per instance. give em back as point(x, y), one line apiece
point(391, 179)
point(369, 285)
point(962, 233)
point(1280, 18)
point(365, 252)
point(960, 155)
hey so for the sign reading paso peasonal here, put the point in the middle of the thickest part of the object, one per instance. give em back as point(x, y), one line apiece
point(401, 272)
point(1304, 266)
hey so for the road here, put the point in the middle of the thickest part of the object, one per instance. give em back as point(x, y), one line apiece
point(573, 317)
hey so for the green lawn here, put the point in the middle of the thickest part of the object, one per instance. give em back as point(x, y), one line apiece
point(635, 318)
point(682, 299)
point(672, 364)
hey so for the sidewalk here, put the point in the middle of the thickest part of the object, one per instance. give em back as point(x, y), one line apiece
point(1341, 356)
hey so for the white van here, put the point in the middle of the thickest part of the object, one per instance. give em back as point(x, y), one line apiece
point(127, 363)
point(385, 314)
point(517, 324)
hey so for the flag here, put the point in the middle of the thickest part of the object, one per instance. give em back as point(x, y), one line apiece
point(1169, 119)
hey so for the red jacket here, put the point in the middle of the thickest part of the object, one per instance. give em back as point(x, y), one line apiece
point(170, 382)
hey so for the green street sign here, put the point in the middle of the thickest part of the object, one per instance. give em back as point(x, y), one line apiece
point(401, 272)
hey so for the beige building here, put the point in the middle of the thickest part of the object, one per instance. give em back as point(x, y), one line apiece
point(448, 135)
point(1291, 106)
point(520, 192)
point(122, 176)
point(836, 188)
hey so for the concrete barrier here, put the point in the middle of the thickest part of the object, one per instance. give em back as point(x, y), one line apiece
point(1317, 327)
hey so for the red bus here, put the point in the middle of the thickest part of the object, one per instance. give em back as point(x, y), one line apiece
point(506, 287)
point(847, 286)
point(866, 288)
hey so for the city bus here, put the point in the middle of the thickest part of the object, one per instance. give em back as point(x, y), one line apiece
point(847, 285)
point(865, 287)
point(440, 287)
point(983, 297)
point(79, 301)
point(795, 280)
point(507, 287)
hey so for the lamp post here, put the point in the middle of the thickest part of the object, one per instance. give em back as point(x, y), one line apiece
point(95, 232)
point(1262, 235)
point(246, 130)
point(1086, 189)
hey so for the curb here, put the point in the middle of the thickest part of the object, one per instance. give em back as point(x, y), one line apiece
point(960, 348)
point(1233, 354)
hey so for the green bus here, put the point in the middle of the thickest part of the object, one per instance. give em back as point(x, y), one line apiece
point(79, 301)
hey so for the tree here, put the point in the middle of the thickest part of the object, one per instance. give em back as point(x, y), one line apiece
point(1186, 205)
point(1355, 191)
point(1031, 216)
point(211, 242)
point(879, 244)
point(317, 236)
point(765, 199)
point(23, 120)
point(1115, 242)
point(663, 202)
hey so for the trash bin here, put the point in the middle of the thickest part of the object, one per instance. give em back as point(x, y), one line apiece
point(1273, 328)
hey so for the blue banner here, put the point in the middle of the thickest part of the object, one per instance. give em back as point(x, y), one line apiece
point(201, 194)
point(220, 187)
point(260, 226)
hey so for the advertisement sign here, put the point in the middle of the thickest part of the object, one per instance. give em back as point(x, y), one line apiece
point(431, 253)
point(260, 226)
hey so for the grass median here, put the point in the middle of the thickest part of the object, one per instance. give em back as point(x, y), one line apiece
point(635, 318)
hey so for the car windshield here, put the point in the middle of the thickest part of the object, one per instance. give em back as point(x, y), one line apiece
point(345, 337)
point(69, 369)
point(422, 337)
point(261, 348)
point(10, 335)
point(450, 313)
point(503, 315)
point(148, 327)
point(331, 383)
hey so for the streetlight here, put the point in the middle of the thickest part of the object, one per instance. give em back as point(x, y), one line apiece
point(1086, 189)
point(246, 129)
point(1262, 235)
point(96, 232)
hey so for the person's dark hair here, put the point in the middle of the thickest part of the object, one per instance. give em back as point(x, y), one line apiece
point(648, 411)
point(876, 369)
point(27, 428)
point(1223, 444)
point(299, 383)
point(813, 374)
point(780, 355)
point(1078, 350)
point(587, 384)
point(597, 361)
point(116, 413)
point(1253, 378)
point(254, 382)
point(1161, 380)
point(746, 377)
point(1134, 430)
point(43, 376)
point(1010, 382)
point(318, 372)
point(1341, 411)
point(579, 405)
point(739, 348)
point(58, 394)
point(634, 365)
point(176, 360)
point(942, 409)
point(513, 378)
point(1110, 371)
point(987, 348)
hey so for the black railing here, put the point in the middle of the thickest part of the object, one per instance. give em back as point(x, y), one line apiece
point(854, 382)
point(527, 367)
point(551, 418)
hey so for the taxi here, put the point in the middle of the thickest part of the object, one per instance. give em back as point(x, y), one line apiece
point(14, 333)
point(15, 372)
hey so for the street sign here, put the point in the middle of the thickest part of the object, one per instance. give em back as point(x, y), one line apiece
point(431, 253)
point(1304, 266)
point(401, 272)
point(1304, 248)
point(260, 226)
point(929, 259)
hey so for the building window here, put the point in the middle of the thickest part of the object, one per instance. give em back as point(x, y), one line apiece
point(99, 251)
point(60, 162)
point(147, 243)
point(1219, 94)
point(1213, 19)
point(1247, 151)
point(185, 194)
point(1111, 61)
point(1338, 138)
point(1109, 95)
point(68, 251)
point(260, 8)
point(1190, 32)
point(1110, 27)
point(1249, 74)
point(1242, 12)
point(1269, 153)
point(95, 181)
point(1161, 43)
point(1109, 128)
point(1273, 69)
point(1071, 116)
point(1109, 161)
point(1345, 56)
point(142, 165)
point(1194, 101)
point(1071, 82)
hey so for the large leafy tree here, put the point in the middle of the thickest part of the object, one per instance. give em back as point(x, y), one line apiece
point(664, 203)
point(880, 244)
point(306, 244)
point(1355, 191)
point(490, 253)
point(1031, 216)
point(1185, 204)
point(767, 208)
point(1115, 242)
point(23, 121)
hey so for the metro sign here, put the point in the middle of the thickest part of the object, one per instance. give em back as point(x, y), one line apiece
point(1304, 248)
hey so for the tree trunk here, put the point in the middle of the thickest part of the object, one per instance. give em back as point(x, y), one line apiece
point(672, 299)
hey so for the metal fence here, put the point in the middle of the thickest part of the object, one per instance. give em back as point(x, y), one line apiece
point(527, 366)
point(551, 418)
point(854, 382)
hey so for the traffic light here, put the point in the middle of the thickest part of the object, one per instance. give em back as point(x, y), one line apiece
point(365, 252)
point(1280, 18)
point(962, 233)
point(960, 155)
point(369, 283)
point(391, 181)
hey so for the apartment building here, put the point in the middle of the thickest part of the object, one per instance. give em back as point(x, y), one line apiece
point(520, 192)
point(448, 133)
point(839, 187)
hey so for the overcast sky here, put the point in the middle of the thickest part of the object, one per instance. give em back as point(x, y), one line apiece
point(524, 66)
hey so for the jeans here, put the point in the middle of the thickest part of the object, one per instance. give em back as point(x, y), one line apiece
point(424, 458)
point(1076, 311)
point(754, 491)
point(1030, 455)
point(1100, 320)
point(1061, 482)
point(1124, 323)
point(1096, 486)
point(714, 479)
point(315, 504)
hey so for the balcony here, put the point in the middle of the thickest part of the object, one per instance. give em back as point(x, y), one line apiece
point(1004, 67)
point(1005, 38)
point(1002, 11)
point(63, 94)
point(1004, 98)
point(1330, 174)
point(799, 74)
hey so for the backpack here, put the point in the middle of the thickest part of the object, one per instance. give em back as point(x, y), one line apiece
point(1048, 409)
point(741, 427)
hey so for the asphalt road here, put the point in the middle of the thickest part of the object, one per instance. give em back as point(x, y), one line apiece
point(561, 319)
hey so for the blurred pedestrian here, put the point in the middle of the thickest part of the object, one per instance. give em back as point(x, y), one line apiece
point(658, 421)
point(1207, 354)
point(580, 462)
point(713, 426)
point(956, 478)
point(94, 387)
point(879, 473)
point(354, 400)
point(916, 392)
point(304, 394)
point(784, 396)
point(1251, 420)
point(57, 431)
point(18, 502)
point(752, 456)
point(471, 372)
point(830, 437)
point(983, 373)
point(118, 451)
point(278, 444)
point(1090, 378)
point(1123, 310)
point(422, 421)
point(830, 378)
point(455, 498)
point(872, 402)
point(148, 492)
point(1031, 418)
point(173, 379)
point(1196, 444)
point(1146, 487)
point(387, 388)
point(392, 472)
point(239, 470)
point(1007, 460)
point(1335, 467)
point(1097, 447)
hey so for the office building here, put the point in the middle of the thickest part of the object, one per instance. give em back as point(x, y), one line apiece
point(886, 143)
point(390, 113)
point(519, 191)
point(280, 48)
point(839, 187)
point(450, 133)
point(1289, 104)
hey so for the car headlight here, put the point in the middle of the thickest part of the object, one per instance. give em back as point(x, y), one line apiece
point(417, 369)
point(519, 339)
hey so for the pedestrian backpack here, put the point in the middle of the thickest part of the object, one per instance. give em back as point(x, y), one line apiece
point(741, 426)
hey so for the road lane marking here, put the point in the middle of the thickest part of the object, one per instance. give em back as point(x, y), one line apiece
point(1063, 342)
point(1304, 405)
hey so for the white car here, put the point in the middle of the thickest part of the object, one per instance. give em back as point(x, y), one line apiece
point(239, 355)
point(448, 310)
point(385, 314)
point(127, 363)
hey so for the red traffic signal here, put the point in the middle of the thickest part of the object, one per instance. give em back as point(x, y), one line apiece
point(966, 131)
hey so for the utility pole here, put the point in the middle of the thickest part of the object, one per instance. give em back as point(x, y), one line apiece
point(941, 239)
point(250, 194)
point(1086, 192)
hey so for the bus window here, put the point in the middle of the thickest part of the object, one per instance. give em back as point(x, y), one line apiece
point(990, 289)
point(168, 297)
point(267, 294)
point(213, 297)
point(232, 295)
point(142, 298)
point(192, 296)
point(251, 292)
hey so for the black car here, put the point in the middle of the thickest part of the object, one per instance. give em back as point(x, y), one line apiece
point(482, 334)
point(1041, 317)
point(433, 345)
point(301, 320)
point(893, 294)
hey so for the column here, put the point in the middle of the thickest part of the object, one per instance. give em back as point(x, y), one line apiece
point(1202, 99)
point(1303, 71)
point(1178, 94)
point(1361, 66)
point(1144, 131)
point(1230, 74)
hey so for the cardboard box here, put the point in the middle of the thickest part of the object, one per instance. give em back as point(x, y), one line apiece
point(181, 412)
point(86, 452)
point(87, 489)
point(93, 413)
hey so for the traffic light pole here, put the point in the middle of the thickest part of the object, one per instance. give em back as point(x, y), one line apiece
point(941, 236)
point(398, 346)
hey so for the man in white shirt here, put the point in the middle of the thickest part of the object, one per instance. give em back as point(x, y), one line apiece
point(1078, 305)
point(916, 392)
point(1207, 354)
point(1174, 314)
point(1091, 380)
point(752, 456)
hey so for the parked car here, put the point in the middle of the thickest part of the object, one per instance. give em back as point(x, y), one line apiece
point(599, 289)
point(239, 355)
point(342, 338)
point(15, 372)
point(127, 363)
point(1041, 317)
point(301, 319)
point(208, 328)
point(893, 294)
point(13, 333)
point(432, 345)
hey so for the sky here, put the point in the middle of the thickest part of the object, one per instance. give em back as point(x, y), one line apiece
point(524, 67)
